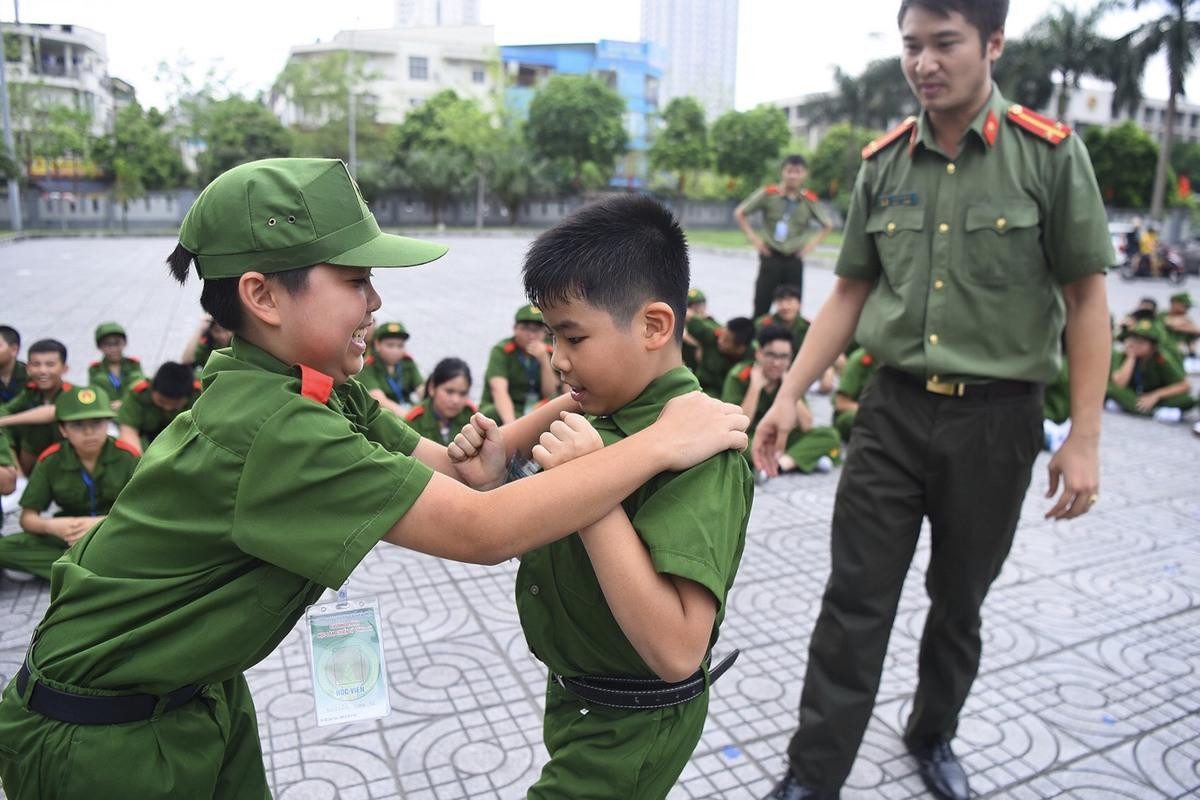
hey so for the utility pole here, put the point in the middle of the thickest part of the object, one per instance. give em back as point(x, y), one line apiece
point(351, 121)
point(14, 186)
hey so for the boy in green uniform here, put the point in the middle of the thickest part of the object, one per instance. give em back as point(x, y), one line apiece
point(753, 386)
point(32, 427)
point(446, 408)
point(1182, 329)
point(390, 374)
point(12, 369)
point(270, 490)
point(82, 476)
point(721, 347)
point(149, 406)
point(519, 375)
point(211, 335)
point(697, 310)
point(116, 371)
point(788, 301)
point(626, 611)
point(1147, 380)
point(857, 373)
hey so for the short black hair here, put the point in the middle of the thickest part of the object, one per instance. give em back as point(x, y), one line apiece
point(985, 16)
point(1148, 301)
point(1144, 314)
point(49, 346)
point(9, 334)
point(788, 290)
point(219, 297)
point(742, 329)
point(174, 380)
point(795, 160)
point(774, 333)
point(615, 254)
point(447, 370)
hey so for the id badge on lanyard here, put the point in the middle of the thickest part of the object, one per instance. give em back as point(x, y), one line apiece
point(349, 668)
point(781, 227)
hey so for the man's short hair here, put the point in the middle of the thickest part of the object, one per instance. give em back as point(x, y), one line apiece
point(774, 333)
point(788, 290)
point(795, 160)
point(174, 380)
point(9, 334)
point(986, 16)
point(615, 254)
point(49, 346)
point(741, 329)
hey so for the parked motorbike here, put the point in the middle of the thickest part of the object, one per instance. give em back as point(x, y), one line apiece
point(1170, 266)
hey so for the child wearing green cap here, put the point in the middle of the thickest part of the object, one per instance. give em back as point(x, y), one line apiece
point(1145, 379)
point(390, 374)
point(1183, 330)
point(519, 375)
point(82, 475)
point(116, 372)
point(269, 491)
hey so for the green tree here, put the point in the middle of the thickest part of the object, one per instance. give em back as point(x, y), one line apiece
point(1072, 46)
point(682, 144)
point(748, 143)
point(1185, 160)
point(141, 154)
point(1123, 158)
point(878, 97)
point(835, 163)
point(436, 175)
point(1023, 72)
point(516, 174)
point(236, 130)
point(579, 120)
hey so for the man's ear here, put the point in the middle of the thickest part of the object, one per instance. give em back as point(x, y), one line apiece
point(658, 321)
point(995, 46)
point(258, 296)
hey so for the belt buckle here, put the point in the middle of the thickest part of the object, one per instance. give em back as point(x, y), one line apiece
point(946, 389)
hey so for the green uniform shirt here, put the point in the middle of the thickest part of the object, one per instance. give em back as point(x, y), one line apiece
point(523, 372)
point(139, 411)
point(246, 508)
point(32, 438)
point(1181, 340)
point(857, 373)
point(60, 479)
point(798, 214)
point(425, 421)
point(115, 385)
point(799, 328)
point(691, 355)
point(967, 254)
point(737, 383)
point(692, 522)
point(398, 383)
point(1159, 370)
point(712, 364)
point(17, 382)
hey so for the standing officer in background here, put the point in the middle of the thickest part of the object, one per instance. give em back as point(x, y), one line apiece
point(788, 209)
point(971, 230)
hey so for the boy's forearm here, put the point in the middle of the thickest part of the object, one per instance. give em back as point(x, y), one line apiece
point(33, 522)
point(41, 415)
point(522, 434)
point(500, 398)
point(827, 338)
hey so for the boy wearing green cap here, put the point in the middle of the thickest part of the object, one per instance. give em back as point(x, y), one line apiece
point(1146, 380)
point(1182, 329)
point(519, 376)
point(267, 492)
point(115, 371)
point(390, 374)
point(82, 475)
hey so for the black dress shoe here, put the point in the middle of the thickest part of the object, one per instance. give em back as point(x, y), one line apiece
point(791, 789)
point(940, 770)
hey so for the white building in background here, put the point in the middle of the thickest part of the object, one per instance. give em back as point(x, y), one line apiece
point(1091, 105)
point(408, 66)
point(436, 13)
point(700, 40)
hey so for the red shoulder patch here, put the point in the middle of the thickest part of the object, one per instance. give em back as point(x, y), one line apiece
point(370, 359)
point(197, 385)
point(127, 447)
point(416, 412)
point(315, 385)
point(66, 387)
point(771, 189)
point(1045, 128)
point(31, 385)
point(140, 386)
point(744, 375)
point(49, 451)
point(867, 360)
point(810, 195)
point(883, 141)
point(719, 332)
point(549, 348)
point(510, 348)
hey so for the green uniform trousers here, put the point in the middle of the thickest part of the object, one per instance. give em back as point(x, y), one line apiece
point(602, 753)
point(843, 422)
point(966, 465)
point(807, 448)
point(31, 552)
point(206, 748)
point(1127, 399)
point(774, 270)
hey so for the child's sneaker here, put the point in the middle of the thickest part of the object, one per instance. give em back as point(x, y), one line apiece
point(760, 477)
point(824, 464)
point(17, 577)
point(1168, 415)
point(1111, 405)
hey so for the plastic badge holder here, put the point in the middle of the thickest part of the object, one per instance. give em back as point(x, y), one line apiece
point(349, 669)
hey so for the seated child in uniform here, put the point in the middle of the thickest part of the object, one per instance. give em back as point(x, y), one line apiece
point(82, 475)
point(1182, 329)
point(389, 373)
point(268, 492)
point(29, 416)
point(211, 335)
point(697, 309)
point(116, 371)
point(635, 599)
point(12, 368)
point(1056, 406)
point(150, 406)
point(753, 385)
point(720, 347)
point(519, 376)
point(1147, 379)
point(859, 369)
point(788, 300)
point(446, 408)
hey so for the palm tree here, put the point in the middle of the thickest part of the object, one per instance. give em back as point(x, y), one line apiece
point(1176, 34)
point(1073, 46)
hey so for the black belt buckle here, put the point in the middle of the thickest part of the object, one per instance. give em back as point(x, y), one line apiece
point(642, 693)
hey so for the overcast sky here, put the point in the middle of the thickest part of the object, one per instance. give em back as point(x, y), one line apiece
point(785, 47)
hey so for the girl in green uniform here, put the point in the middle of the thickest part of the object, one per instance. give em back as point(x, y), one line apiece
point(445, 409)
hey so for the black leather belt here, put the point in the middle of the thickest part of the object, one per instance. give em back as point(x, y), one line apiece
point(642, 693)
point(87, 709)
point(987, 390)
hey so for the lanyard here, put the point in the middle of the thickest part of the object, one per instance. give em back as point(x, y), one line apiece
point(115, 380)
point(532, 372)
point(91, 487)
point(397, 387)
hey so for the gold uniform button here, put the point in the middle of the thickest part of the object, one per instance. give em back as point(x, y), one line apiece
point(1000, 223)
point(891, 227)
point(950, 169)
point(933, 338)
point(938, 284)
point(943, 228)
point(935, 379)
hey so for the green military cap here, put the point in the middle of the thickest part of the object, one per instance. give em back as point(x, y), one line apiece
point(109, 329)
point(1144, 328)
point(82, 402)
point(391, 330)
point(1183, 298)
point(696, 296)
point(530, 313)
point(284, 213)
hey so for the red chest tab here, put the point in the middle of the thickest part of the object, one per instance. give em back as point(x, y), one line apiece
point(1044, 128)
point(315, 385)
point(510, 348)
point(416, 412)
point(66, 387)
point(771, 189)
point(908, 126)
point(810, 195)
point(744, 375)
point(127, 447)
point(140, 386)
point(49, 451)
point(867, 360)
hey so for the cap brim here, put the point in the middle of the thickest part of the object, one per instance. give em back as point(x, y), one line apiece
point(389, 250)
point(99, 413)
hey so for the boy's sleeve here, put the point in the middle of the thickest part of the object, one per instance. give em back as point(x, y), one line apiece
point(753, 202)
point(386, 429)
point(819, 214)
point(733, 390)
point(694, 526)
point(315, 495)
point(415, 378)
point(368, 378)
point(37, 495)
point(702, 331)
point(851, 384)
point(130, 412)
point(497, 366)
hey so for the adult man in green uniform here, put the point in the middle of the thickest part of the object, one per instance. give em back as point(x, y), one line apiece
point(860, 368)
point(390, 374)
point(149, 406)
point(785, 239)
point(968, 232)
point(721, 348)
point(12, 368)
point(1147, 379)
point(82, 476)
point(29, 416)
point(519, 375)
point(116, 371)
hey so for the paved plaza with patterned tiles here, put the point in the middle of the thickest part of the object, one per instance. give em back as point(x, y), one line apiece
point(1090, 681)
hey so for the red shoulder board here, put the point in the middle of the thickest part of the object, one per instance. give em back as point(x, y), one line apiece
point(1042, 127)
point(93, 365)
point(140, 386)
point(719, 332)
point(127, 447)
point(66, 387)
point(197, 385)
point(511, 347)
point(49, 451)
point(908, 126)
point(370, 359)
point(315, 385)
point(549, 348)
point(771, 189)
point(31, 385)
point(744, 375)
point(810, 195)
point(416, 412)
point(767, 320)
point(867, 360)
